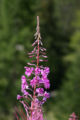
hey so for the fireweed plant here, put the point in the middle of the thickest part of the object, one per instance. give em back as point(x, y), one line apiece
point(34, 82)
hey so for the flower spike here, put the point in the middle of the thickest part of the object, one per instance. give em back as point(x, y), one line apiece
point(35, 80)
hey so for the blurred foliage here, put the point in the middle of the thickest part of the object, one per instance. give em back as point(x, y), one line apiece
point(60, 29)
point(56, 42)
point(68, 100)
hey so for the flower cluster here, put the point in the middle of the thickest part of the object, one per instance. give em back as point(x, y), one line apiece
point(35, 81)
point(39, 80)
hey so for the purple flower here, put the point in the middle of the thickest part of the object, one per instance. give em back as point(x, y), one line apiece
point(46, 83)
point(44, 80)
point(24, 84)
point(23, 87)
point(31, 88)
point(40, 90)
point(46, 70)
point(37, 113)
point(46, 95)
point(28, 71)
point(25, 93)
point(23, 78)
point(44, 100)
point(42, 72)
point(19, 97)
point(37, 71)
point(33, 82)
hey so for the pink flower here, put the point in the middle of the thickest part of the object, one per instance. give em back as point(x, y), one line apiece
point(25, 93)
point(33, 82)
point(40, 91)
point(19, 97)
point(44, 80)
point(45, 71)
point(24, 84)
point(37, 71)
point(37, 113)
point(28, 71)
point(31, 88)
point(46, 95)
point(23, 78)
point(46, 83)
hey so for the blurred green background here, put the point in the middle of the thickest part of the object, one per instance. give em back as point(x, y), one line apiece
point(60, 29)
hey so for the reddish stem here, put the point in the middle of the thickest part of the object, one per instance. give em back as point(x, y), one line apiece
point(38, 33)
point(38, 40)
point(19, 113)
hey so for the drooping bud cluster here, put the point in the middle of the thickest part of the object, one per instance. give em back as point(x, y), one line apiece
point(35, 81)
